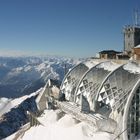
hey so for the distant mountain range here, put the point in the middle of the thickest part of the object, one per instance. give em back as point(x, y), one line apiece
point(24, 75)
point(19, 77)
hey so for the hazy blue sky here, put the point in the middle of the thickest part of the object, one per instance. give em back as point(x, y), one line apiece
point(64, 27)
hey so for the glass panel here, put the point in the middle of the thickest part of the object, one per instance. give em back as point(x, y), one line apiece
point(133, 122)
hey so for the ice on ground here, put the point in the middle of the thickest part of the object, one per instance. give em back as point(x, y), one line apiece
point(66, 128)
point(48, 117)
point(66, 121)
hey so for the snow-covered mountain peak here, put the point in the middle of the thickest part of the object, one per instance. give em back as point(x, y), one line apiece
point(24, 75)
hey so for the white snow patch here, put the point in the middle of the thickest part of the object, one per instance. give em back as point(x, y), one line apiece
point(66, 121)
point(138, 46)
point(108, 65)
point(48, 117)
point(41, 66)
point(56, 132)
point(7, 106)
point(28, 68)
point(3, 102)
point(132, 67)
point(91, 63)
point(66, 128)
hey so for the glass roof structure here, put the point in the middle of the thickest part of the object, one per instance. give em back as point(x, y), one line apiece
point(108, 89)
point(72, 78)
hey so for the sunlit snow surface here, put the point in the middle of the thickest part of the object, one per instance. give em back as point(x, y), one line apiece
point(64, 128)
point(132, 67)
point(7, 104)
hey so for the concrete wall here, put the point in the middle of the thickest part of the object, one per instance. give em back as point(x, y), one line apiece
point(131, 38)
point(136, 54)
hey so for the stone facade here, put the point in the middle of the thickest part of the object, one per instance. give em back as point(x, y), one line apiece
point(131, 37)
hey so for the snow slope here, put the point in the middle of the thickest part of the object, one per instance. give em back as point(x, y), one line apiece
point(13, 115)
point(7, 104)
point(3, 103)
point(64, 128)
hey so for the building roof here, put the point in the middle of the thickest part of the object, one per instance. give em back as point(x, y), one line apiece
point(138, 46)
point(109, 52)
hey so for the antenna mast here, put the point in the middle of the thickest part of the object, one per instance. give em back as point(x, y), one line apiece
point(136, 18)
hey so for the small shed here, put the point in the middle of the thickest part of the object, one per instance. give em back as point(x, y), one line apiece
point(108, 54)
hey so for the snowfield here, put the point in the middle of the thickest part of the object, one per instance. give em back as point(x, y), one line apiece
point(64, 128)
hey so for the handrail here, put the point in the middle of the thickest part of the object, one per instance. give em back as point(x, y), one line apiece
point(120, 134)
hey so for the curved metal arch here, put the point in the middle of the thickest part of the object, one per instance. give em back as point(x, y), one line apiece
point(77, 88)
point(93, 85)
point(111, 93)
point(74, 69)
point(101, 86)
point(69, 82)
point(68, 74)
point(70, 71)
point(85, 76)
point(110, 74)
point(126, 109)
